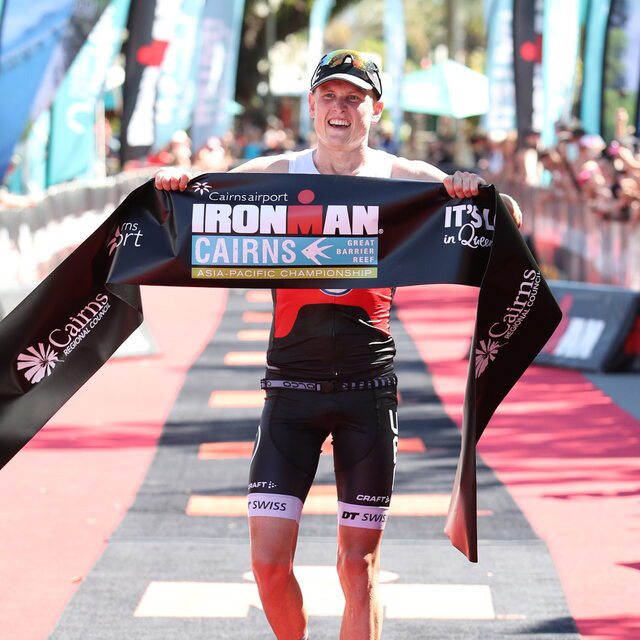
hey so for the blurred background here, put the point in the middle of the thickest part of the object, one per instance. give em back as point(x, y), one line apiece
point(539, 96)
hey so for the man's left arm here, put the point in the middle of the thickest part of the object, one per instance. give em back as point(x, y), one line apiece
point(462, 184)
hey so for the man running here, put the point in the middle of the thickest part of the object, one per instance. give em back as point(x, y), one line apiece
point(330, 372)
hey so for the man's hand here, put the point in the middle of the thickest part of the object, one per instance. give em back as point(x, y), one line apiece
point(172, 179)
point(463, 184)
point(513, 208)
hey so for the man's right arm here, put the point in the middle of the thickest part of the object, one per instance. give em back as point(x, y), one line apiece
point(177, 178)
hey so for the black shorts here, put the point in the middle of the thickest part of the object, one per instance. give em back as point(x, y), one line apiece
point(294, 425)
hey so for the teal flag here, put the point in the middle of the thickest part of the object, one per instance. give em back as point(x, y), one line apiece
point(217, 65)
point(72, 150)
point(317, 23)
point(591, 105)
point(560, 47)
point(499, 66)
point(177, 83)
point(395, 53)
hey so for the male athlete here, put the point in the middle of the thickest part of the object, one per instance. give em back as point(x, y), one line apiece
point(335, 347)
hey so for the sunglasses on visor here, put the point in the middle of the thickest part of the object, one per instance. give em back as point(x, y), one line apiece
point(349, 62)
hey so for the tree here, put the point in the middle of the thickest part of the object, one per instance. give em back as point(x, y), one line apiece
point(292, 16)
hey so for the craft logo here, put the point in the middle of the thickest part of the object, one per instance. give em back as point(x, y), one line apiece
point(127, 234)
point(469, 226)
point(265, 484)
point(39, 362)
point(264, 236)
point(513, 316)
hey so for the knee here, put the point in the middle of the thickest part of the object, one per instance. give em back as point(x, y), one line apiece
point(357, 571)
point(270, 574)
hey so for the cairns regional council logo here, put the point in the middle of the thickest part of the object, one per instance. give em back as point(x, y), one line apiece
point(264, 236)
point(37, 362)
point(513, 316)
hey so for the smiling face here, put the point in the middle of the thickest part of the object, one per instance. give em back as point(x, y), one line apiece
point(343, 114)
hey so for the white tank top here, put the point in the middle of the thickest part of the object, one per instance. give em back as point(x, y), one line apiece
point(379, 163)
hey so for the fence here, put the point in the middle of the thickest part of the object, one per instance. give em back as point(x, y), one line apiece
point(34, 240)
point(574, 243)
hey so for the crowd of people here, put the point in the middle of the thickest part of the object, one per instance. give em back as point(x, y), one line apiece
point(580, 168)
point(223, 153)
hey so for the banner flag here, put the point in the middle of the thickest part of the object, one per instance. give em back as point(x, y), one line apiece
point(177, 82)
point(395, 53)
point(499, 66)
point(561, 42)
point(151, 27)
point(72, 147)
point(217, 65)
point(591, 103)
point(528, 17)
point(82, 19)
point(621, 86)
point(317, 23)
point(27, 40)
point(261, 230)
point(37, 45)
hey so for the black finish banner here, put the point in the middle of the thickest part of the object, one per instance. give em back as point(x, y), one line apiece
point(527, 61)
point(144, 53)
point(266, 230)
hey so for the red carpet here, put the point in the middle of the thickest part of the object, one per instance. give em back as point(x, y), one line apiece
point(569, 456)
point(63, 494)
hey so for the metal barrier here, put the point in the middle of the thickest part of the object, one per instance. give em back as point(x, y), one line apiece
point(34, 240)
point(574, 243)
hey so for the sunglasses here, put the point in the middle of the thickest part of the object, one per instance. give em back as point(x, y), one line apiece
point(350, 62)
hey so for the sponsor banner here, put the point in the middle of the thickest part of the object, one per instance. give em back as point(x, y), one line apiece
point(395, 53)
point(217, 64)
point(36, 48)
point(561, 42)
point(591, 103)
point(527, 62)
point(499, 66)
point(621, 77)
point(177, 82)
point(318, 18)
point(72, 147)
point(594, 334)
point(27, 41)
point(62, 333)
point(151, 27)
point(82, 19)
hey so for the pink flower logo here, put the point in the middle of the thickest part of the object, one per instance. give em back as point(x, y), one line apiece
point(201, 187)
point(486, 352)
point(37, 362)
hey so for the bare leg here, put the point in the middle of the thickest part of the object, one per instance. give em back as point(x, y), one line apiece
point(358, 566)
point(273, 546)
